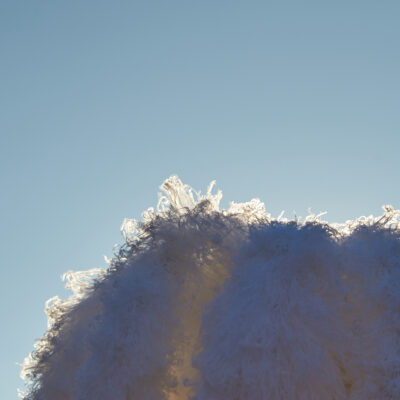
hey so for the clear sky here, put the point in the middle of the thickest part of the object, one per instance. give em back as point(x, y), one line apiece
point(294, 102)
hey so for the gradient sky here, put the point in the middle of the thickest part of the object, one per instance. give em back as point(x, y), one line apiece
point(294, 102)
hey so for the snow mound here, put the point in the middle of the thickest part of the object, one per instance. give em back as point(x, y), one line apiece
point(209, 304)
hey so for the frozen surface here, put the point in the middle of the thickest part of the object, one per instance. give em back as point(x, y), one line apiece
point(208, 304)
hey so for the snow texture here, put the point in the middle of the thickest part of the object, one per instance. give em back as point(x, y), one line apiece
point(208, 304)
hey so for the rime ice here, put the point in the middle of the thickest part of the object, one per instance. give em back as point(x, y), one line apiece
point(208, 304)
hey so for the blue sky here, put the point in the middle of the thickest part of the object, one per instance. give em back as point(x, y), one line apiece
point(296, 103)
